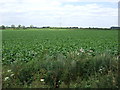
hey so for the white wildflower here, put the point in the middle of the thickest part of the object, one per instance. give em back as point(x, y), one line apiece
point(6, 78)
point(90, 50)
point(78, 53)
point(42, 80)
point(12, 75)
point(100, 69)
point(82, 50)
point(9, 71)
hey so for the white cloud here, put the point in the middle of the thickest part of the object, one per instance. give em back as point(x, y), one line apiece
point(48, 12)
point(88, 0)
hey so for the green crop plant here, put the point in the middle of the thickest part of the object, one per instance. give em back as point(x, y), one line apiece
point(60, 58)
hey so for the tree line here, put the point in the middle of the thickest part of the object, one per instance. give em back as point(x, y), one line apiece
point(31, 26)
point(16, 27)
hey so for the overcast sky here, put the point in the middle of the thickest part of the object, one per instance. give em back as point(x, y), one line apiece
point(81, 13)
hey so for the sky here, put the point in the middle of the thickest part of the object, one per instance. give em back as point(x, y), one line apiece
point(59, 13)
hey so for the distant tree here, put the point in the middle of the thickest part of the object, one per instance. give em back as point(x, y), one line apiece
point(23, 27)
point(2, 27)
point(13, 26)
point(6, 27)
point(31, 26)
point(19, 26)
point(89, 27)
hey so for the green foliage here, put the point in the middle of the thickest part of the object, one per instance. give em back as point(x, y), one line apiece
point(2, 27)
point(60, 58)
point(19, 26)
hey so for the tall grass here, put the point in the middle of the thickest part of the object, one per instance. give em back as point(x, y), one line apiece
point(59, 71)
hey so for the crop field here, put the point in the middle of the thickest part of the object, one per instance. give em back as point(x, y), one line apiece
point(60, 58)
